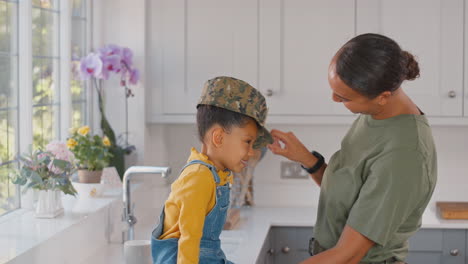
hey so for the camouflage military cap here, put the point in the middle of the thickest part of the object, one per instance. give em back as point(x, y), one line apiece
point(238, 96)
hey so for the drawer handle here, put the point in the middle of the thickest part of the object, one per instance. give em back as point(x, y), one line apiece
point(452, 94)
point(454, 252)
point(269, 92)
point(271, 251)
point(286, 250)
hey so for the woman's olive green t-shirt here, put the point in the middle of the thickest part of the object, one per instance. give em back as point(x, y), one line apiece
point(379, 183)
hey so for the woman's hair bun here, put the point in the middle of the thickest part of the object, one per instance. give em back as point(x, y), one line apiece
point(412, 66)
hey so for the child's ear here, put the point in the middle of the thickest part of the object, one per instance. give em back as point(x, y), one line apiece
point(217, 136)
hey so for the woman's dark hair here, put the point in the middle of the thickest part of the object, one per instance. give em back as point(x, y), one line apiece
point(371, 64)
point(208, 115)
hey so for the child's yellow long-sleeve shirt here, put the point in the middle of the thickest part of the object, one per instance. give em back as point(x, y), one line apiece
point(192, 197)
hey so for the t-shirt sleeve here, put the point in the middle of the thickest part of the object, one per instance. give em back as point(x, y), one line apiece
point(395, 186)
point(194, 195)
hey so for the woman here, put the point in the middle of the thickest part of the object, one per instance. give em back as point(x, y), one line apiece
point(375, 188)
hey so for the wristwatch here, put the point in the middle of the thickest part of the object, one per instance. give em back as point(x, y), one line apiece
point(318, 164)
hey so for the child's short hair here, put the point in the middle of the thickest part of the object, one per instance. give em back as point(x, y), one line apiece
point(209, 115)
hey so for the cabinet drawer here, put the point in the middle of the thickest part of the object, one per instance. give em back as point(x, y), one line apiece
point(426, 240)
point(293, 237)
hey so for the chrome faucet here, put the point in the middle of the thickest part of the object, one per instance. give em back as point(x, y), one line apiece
point(128, 216)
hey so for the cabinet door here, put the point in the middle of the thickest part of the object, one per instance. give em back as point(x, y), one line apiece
point(202, 39)
point(437, 246)
point(297, 40)
point(266, 253)
point(290, 244)
point(433, 31)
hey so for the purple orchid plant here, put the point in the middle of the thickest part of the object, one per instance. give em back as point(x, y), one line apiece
point(108, 59)
point(98, 66)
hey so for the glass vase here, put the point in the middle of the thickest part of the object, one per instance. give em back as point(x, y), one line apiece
point(49, 204)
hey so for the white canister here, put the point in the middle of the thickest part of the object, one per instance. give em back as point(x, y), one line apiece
point(137, 252)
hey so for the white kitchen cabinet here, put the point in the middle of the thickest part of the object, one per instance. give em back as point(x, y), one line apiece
point(198, 40)
point(465, 80)
point(432, 30)
point(284, 47)
point(296, 44)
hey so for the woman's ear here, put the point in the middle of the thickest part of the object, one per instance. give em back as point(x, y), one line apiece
point(382, 99)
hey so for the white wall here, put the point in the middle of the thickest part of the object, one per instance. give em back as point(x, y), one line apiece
point(126, 23)
point(270, 190)
point(123, 23)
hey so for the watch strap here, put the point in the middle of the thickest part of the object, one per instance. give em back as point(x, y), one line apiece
point(318, 164)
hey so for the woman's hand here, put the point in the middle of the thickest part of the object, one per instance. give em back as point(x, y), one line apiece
point(292, 148)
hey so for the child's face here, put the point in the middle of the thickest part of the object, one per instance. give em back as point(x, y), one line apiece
point(237, 146)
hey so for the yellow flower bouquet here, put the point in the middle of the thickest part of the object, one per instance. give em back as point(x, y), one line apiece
point(91, 152)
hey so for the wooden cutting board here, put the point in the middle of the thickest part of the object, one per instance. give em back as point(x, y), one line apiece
point(453, 210)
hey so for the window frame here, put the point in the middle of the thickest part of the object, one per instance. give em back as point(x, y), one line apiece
point(13, 54)
point(24, 92)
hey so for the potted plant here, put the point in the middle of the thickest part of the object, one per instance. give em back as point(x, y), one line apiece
point(98, 66)
point(92, 153)
point(48, 171)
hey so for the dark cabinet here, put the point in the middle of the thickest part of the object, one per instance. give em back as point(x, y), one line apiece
point(438, 246)
point(427, 246)
point(285, 245)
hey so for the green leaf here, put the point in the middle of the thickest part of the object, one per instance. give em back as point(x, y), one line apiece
point(35, 177)
point(61, 164)
point(18, 179)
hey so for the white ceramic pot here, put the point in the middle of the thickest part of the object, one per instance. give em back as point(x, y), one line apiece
point(137, 252)
point(88, 190)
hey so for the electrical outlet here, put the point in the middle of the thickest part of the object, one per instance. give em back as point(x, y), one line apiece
point(292, 170)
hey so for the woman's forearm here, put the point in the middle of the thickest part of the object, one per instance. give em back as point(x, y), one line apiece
point(317, 177)
point(332, 256)
point(309, 162)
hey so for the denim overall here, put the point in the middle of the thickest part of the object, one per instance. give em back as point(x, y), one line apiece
point(164, 251)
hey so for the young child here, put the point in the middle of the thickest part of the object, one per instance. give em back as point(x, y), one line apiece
point(230, 118)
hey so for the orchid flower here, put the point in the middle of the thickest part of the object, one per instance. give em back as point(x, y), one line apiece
point(127, 57)
point(134, 76)
point(110, 63)
point(91, 66)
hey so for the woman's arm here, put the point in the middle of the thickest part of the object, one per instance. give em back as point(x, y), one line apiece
point(294, 150)
point(350, 249)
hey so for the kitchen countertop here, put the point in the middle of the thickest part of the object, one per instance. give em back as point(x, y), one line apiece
point(431, 219)
point(21, 232)
point(257, 221)
point(243, 245)
point(255, 224)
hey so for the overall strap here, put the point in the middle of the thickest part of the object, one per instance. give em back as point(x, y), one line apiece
point(211, 167)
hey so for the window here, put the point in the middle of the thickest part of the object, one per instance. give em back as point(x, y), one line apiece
point(78, 50)
point(8, 102)
point(45, 71)
point(34, 88)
